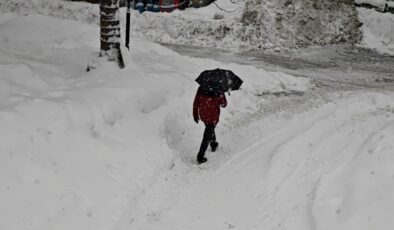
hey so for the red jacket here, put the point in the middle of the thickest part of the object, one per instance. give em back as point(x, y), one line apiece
point(207, 108)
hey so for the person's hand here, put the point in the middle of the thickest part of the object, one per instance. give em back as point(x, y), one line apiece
point(196, 119)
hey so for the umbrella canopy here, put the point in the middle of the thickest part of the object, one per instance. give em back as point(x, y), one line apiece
point(218, 81)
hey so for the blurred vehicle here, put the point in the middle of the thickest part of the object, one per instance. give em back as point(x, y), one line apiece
point(160, 5)
point(153, 5)
point(200, 3)
point(170, 5)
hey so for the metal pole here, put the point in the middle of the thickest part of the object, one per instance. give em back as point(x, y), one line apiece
point(128, 25)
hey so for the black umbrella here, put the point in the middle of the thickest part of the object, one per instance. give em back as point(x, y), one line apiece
point(218, 81)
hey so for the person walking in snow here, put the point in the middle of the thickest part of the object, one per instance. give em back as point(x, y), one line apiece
point(206, 106)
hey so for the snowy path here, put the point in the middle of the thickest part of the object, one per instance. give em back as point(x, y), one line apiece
point(289, 166)
point(282, 177)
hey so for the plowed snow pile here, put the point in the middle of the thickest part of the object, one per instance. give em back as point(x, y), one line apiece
point(249, 25)
point(257, 25)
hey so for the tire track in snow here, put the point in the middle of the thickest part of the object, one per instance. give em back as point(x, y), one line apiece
point(320, 197)
point(330, 160)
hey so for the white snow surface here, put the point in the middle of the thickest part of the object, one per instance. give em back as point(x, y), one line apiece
point(79, 149)
point(115, 149)
point(378, 30)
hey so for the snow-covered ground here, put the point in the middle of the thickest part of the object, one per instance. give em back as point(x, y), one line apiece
point(79, 149)
point(115, 149)
point(315, 167)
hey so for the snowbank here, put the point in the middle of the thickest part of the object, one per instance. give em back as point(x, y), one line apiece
point(256, 25)
point(79, 149)
point(79, 11)
point(246, 25)
point(303, 22)
point(259, 25)
point(378, 30)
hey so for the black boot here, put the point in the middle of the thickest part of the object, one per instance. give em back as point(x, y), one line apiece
point(214, 146)
point(201, 158)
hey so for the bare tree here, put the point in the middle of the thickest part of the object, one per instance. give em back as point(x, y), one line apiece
point(110, 31)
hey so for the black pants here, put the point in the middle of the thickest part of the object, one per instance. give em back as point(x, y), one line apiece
point(209, 137)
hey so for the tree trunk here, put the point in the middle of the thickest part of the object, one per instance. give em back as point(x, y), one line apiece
point(110, 31)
